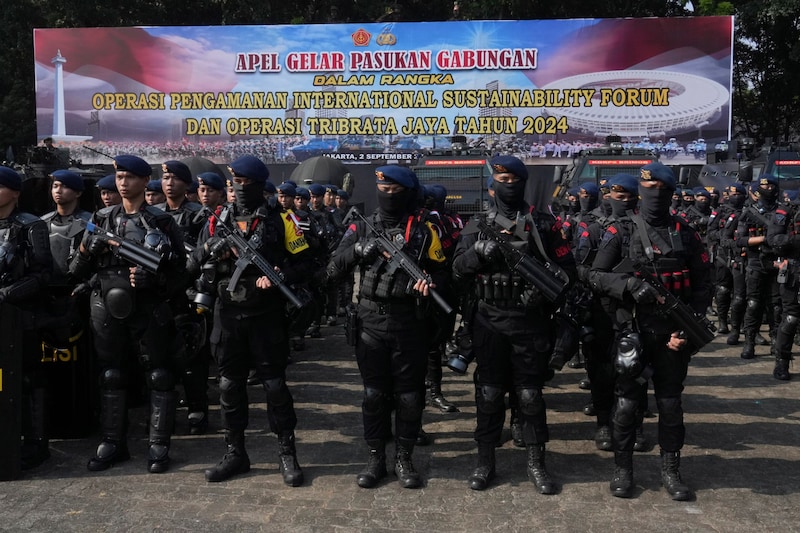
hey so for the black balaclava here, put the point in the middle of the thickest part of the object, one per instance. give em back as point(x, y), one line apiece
point(768, 199)
point(655, 204)
point(704, 206)
point(588, 203)
point(606, 207)
point(675, 201)
point(249, 197)
point(509, 197)
point(393, 206)
point(573, 206)
point(620, 207)
point(685, 202)
point(736, 200)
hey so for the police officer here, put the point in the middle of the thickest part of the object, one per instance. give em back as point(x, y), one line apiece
point(662, 245)
point(250, 321)
point(603, 319)
point(154, 193)
point(735, 258)
point(512, 333)
point(192, 367)
point(25, 268)
point(391, 342)
point(109, 195)
point(760, 272)
point(210, 190)
point(130, 313)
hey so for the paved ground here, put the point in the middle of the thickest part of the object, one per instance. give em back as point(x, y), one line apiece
point(742, 457)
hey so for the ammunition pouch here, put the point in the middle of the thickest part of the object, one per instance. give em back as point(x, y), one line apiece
point(504, 289)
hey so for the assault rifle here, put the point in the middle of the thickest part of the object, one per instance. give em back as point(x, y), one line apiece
point(247, 254)
point(399, 259)
point(131, 251)
point(547, 277)
point(698, 330)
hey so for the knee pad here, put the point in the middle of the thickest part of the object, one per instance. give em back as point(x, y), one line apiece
point(531, 402)
point(160, 379)
point(723, 291)
point(489, 399)
point(670, 411)
point(277, 391)
point(375, 401)
point(409, 405)
point(752, 304)
point(737, 301)
point(625, 411)
point(789, 324)
point(112, 379)
point(226, 384)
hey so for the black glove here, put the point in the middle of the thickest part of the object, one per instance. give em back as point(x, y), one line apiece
point(487, 250)
point(216, 247)
point(641, 291)
point(367, 249)
point(95, 244)
point(142, 279)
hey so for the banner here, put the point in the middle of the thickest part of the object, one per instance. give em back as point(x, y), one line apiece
point(364, 92)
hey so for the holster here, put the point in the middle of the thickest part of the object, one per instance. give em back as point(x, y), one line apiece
point(351, 324)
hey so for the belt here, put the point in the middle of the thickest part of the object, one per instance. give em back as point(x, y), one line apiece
point(387, 308)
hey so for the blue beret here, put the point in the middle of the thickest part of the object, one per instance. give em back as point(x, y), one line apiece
point(791, 195)
point(302, 192)
point(269, 187)
point(509, 163)
point(591, 189)
point(341, 193)
point(133, 164)
point(290, 182)
point(701, 191)
point(287, 189)
point(768, 179)
point(154, 186)
point(179, 169)
point(211, 179)
point(740, 188)
point(193, 186)
point(395, 173)
point(626, 181)
point(753, 186)
point(10, 178)
point(108, 182)
point(573, 191)
point(659, 172)
point(69, 179)
point(439, 192)
point(316, 189)
point(249, 166)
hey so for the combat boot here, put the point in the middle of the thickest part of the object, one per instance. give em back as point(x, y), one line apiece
point(761, 341)
point(671, 477)
point(723, 326)
point(622, 482)
point(113, 420)
point(436, 398)
point(537, 472)
point(733, 338)
point(484, 472)
point(749, 350)
point(602, 438)
point(403, 467)
point(162, 422)
point(781, 371)
point(287, 460)
point(234, 462)
point(376, 465)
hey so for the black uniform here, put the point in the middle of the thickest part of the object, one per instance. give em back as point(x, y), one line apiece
point(512, 333)
point(251, 328)
point(134, 325)
point(783, 240)
point(391, 342)
point(665, 246)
